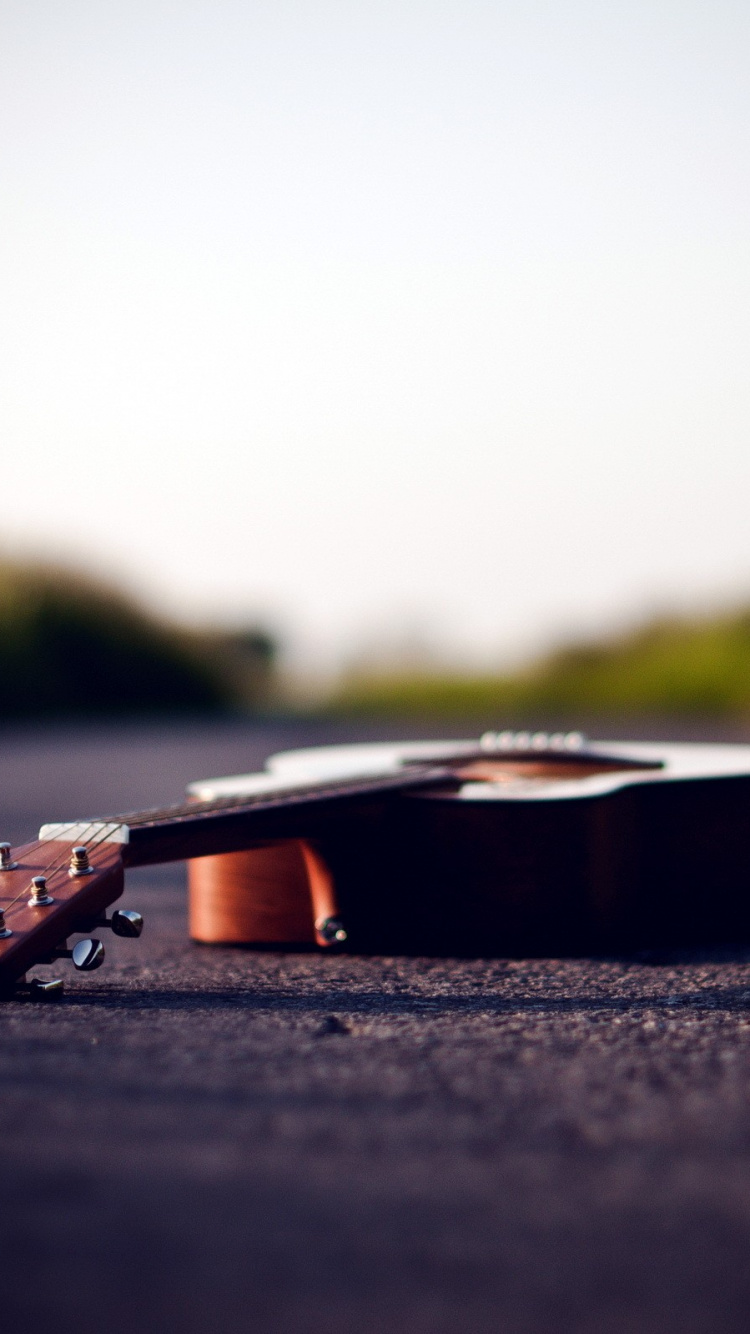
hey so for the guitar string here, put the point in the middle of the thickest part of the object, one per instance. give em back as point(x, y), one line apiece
point(91, 842)
point(153, 815)
point(417, 774)
point(249, 801)
point(29, 849)
point(281, 797)
point(49, 869)
point(136, 819)
point(164, 814)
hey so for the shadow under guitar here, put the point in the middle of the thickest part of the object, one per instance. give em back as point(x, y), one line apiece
point(379, 1004)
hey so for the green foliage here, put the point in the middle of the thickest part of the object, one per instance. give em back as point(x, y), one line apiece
point(244, 662)
point(668, 667)
point(70, 645)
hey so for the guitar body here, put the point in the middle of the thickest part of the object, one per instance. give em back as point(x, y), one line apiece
point(622, 846)
point(514, 844)
point(243, 898)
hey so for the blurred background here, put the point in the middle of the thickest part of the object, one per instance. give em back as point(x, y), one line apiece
point(375, 361)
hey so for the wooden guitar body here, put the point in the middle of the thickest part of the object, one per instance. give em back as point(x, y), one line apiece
point(513, 844)
point(280, 894)
point(616, 846)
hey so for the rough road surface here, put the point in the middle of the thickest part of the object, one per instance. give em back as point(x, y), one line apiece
point(200, 1139)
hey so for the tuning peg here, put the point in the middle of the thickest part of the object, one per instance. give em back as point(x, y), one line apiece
point(85, 954)
point(125, 922)
point(6, 859)
point(35, 989)
point(79, 862)
point(45, 989)
point(39, 898)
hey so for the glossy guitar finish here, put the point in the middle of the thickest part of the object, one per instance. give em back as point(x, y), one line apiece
point(62, 884)
point(616, 846)
point(512, 844)
point(38, 933)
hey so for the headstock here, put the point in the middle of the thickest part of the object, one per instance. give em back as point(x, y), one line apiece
point(50, 890)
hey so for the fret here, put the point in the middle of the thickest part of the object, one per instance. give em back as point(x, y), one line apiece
point(226, 824)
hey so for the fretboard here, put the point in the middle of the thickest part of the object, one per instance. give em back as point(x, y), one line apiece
point(229, 824)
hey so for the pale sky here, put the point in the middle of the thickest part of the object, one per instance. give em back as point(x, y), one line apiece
point(381, 318)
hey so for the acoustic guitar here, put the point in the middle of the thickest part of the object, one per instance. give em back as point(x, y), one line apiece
point(539, 844)
point(514, 843)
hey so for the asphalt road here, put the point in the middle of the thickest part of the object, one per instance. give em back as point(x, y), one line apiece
point(198, 1139)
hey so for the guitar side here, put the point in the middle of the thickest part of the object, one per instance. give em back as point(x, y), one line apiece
point(654, 853)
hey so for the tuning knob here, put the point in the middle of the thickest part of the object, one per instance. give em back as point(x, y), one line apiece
point(6, 860)
point(39, 898)
point(87, 955)
point(36, 988)
point(125, 922)
point(79, 862)
point(45, 988)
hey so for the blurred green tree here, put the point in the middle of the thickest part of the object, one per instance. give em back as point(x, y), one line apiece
point(72, 645)
point(670, 666)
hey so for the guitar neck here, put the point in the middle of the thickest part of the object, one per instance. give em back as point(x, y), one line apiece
point(230, 824)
